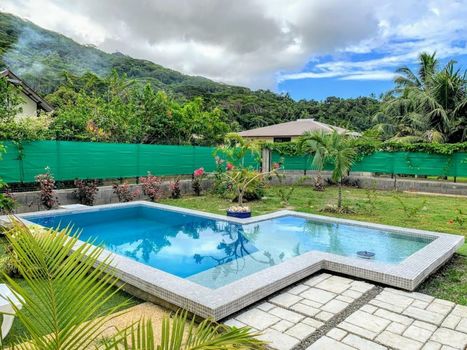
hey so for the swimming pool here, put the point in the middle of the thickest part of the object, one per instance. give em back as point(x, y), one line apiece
point(213, 265)
point(214, 252)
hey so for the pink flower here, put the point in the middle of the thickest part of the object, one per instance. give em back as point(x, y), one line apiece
point(229, 166)
point(198, 172)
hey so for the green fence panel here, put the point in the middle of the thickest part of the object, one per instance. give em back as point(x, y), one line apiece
point(408, 163)
point(69, 160)
point(10, 169)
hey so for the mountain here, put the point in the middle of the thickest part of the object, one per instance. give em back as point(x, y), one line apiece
point(41, 57)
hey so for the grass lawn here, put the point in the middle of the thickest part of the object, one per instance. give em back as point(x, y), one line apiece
point(435, 215)
point(438, 213)
point(18, 330)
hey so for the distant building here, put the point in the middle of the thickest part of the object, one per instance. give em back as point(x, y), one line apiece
point(290, 131)
point(32, 102)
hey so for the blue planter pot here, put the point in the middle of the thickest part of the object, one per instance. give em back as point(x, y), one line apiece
point(242, 215)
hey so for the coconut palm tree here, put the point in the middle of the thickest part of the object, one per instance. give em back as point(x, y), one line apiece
point(430, 105)
point(334, 148)
point(66, 282)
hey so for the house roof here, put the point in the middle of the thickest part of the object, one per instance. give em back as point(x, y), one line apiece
point(292, 129)
point(27, 90)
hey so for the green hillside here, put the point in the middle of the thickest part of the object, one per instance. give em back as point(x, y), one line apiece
point(41, 58)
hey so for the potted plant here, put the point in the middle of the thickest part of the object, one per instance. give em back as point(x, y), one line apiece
point(237, 177)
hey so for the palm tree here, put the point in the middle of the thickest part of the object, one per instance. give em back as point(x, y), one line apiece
point(334, 148)
point(66, 282)
point(429, 106)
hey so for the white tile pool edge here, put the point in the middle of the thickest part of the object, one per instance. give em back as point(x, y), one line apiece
point(220, 303)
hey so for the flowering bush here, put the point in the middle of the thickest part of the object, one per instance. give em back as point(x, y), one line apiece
point(175, 191)
point(86, 191)
point(47, 195)
point(198, 175)
point(124, 193)
point(151, 186)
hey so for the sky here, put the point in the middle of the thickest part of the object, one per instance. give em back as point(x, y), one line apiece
point(306, 48)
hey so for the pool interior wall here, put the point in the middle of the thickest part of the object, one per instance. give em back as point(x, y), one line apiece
point(217, 302)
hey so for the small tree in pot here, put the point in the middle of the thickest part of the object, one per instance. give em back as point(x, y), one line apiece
point(238, 177)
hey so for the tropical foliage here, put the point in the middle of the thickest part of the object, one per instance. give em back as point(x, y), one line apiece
point(244, 182)
point(429, 105)
point(65, 283)
point(337, 149)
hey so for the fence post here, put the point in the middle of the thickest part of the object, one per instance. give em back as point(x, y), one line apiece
point(265, 160)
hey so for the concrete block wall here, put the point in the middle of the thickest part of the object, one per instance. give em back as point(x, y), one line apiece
point(29, 201)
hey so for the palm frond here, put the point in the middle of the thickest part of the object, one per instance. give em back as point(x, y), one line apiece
point(66, 283)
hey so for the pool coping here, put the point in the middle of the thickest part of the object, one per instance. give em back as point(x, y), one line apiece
point(221, 302)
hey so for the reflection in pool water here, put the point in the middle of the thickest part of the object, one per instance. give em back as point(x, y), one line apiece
point(214, 253)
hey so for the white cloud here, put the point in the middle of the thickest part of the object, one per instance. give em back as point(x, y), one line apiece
point(260, 42)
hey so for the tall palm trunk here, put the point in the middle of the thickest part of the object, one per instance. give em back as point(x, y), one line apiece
point(339, 196)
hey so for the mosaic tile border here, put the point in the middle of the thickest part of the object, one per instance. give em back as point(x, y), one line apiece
point(220, 303)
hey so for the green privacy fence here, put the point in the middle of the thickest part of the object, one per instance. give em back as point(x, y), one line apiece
point(70, 160)
point(408, 163)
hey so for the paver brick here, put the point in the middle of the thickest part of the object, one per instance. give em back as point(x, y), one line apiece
point(384, 305)
point(397, 328)
point(301, 331)
point(368, 321)
point(328, 343)
point(257, 318)
point(318, 295)
point(451, 321)
point(349, 327)
point(398, 342)
point(369, 308)
point(334, 306)
point(278, 340)
point(298, 289)
point(333, 285)
point(431, 345)
point(394, 298)
point(417, 333)
point(282, 325)
point(286, 314)
point(449, 337)
point(265, 306)
point(234, 323)
point(425, 325)
point(462, 326)
point(424, 315)
point(324, 316)
point(305, 309)
point(439, 308)
point(285, 299)
point(393, 316)
point(337, 334)
point(460, 310)
point(312, 322)
point(361, 344)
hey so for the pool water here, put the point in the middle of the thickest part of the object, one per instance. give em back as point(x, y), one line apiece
point(213, 252)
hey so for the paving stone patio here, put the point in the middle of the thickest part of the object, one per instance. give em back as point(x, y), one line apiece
point(333, 312)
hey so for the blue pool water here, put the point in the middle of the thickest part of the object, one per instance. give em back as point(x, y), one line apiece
point(214, 253)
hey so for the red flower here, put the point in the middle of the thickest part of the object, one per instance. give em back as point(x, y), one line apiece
point(229, 166)
point(198, 172)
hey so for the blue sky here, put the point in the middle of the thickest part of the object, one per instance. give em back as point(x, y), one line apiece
point(308, 48)
point(320, 88)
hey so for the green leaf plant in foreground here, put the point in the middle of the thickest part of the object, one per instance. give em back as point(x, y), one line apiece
point(67, 281)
